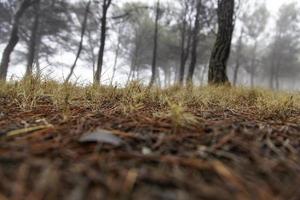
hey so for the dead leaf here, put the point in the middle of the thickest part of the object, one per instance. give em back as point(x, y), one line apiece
point(101, 136)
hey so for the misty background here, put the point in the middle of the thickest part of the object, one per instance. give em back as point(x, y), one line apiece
point(265, 50)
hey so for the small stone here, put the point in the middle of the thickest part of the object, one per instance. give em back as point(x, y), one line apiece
point(101, 136)
point(146, 151)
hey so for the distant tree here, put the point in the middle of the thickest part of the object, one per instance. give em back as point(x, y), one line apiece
point(6, 14)
point(136, 42)
point(238, 56)
point(105, 6)
point(284, 50)
point(155, 40)
point(255, 24)
point(185, 36)
point(195, 39)
point(14, 37)
point(221, 50)
point(117, 53)
point(46, 28)
point(80, 47)
point(33, 38)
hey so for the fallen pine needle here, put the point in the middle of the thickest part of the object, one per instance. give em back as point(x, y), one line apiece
point(26, 130)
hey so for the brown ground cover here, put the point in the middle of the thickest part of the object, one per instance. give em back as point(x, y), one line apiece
point(172, 148)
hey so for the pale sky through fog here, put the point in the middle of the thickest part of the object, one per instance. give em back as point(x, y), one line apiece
point(85, 74)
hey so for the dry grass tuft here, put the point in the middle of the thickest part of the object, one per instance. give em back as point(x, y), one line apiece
point(181, 105)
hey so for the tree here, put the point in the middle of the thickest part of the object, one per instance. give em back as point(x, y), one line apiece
point(33, 38)
point(284, 51)
point(155, 38)
point(45, 28)
point(195, 39)
point(221, 50)
point(14, 37)
point(6, 15)
point(255, 23)
point(185, 37)
point(117, 53)
point(137, 38)
point(238, 55)
point(105, 6)
point(83, 29)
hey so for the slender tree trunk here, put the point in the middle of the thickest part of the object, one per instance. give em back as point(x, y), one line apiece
point(277, 74)
point(83, 29)
point(221, 50)
point(116, 58)
point(253, 65)
point(129, 76)
point(183, 53)
point(131, 71)
point(238, 57)
point(105, 7)
point(154, 57)
point(194, 44)
point(277, 81)
point(271, 81)
point(33, 39)
point(14, 38)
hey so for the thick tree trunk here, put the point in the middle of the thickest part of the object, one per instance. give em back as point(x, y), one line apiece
point(14, 38)
point(195, 36)
point(221, 50)
point(154, 57)
point(238, 58)
point(33, 39)
point(83, 29)
point(105, 7)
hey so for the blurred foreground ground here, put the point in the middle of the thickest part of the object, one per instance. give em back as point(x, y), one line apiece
point(211, 151)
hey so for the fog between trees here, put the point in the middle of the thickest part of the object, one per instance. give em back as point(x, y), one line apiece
point(159, 43)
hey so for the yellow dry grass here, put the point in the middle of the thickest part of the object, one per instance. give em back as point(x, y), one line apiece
point(179, 104)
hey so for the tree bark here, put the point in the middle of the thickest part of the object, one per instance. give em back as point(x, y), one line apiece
point(183, 53)
point(83, 29)
point(33, 39)
point(155, 38)
point(221, 50)
point(238, 57)
point(195, 36)
point(185, 44)
point(14, 38)
point(105, 6)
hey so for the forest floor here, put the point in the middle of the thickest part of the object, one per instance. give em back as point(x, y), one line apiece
point(177, 143)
